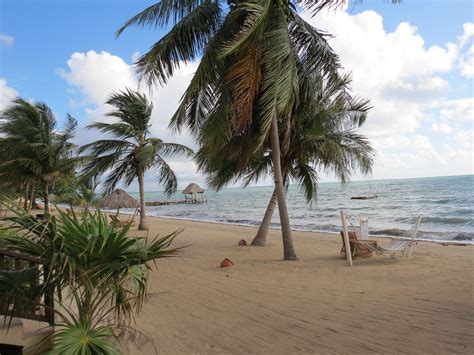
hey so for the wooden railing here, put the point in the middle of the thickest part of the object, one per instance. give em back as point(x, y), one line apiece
point(37, 310)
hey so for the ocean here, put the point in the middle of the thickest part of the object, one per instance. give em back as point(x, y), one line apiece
point(446, 205)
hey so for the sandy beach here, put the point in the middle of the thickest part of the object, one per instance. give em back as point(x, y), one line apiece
point(263, 305)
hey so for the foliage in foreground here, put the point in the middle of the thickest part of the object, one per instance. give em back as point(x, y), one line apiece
point(99, 274)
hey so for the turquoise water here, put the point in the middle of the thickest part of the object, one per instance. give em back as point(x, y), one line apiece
point(445, 203)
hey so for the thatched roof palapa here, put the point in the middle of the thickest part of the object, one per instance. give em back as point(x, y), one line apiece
point(193, 188)
point(118, 199)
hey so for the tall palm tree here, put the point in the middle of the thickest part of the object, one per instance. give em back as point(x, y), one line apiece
point(133, 151)
point(323, 138)
point(249, 70)
point(33, 150)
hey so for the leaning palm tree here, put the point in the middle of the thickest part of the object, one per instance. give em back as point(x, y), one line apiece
point(133, 151)
point(33, 150)
point(323, 138)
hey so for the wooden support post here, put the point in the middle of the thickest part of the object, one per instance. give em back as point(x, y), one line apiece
point(347, 244)
point(413, 234)
point(48, 297)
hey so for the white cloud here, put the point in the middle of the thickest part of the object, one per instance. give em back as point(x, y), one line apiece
point(97, 75)
point(403, 79)
point(467, 34)
point(441, 128)
point(7, 94)
point(393, 69)
point(6, 40)
point(466, 63)
point(466, 59)
point(460, 110)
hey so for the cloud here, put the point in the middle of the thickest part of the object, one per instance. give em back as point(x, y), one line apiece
point(460, 110)
point(466, 63)
point(442, 128)
point(6, 41)
point(7, 94)
point(97, 75)
point(404, 80)
point(393, 69)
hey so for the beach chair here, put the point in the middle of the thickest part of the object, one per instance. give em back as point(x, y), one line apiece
point(359, 248)
point(363, 246)
point(119, 223)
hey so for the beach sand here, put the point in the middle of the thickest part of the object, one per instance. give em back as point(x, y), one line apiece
point(263, 305)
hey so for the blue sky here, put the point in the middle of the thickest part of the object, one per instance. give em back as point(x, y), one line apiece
point(39, 37)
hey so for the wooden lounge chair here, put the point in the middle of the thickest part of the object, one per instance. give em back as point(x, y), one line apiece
point(118, 222)
point(359, 248)
point(403, 246)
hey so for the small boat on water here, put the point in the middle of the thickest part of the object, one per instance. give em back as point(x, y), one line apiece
point(368, 197)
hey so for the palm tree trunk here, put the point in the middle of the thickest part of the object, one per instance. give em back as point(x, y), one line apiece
point(46, 198)
point(27, 193)
point(141, 187)
point(32, 197)
point(261, 237)
point(288, 248)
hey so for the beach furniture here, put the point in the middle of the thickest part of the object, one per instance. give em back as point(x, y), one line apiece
point(118, 222)
point(353, 244)
point(358, 246)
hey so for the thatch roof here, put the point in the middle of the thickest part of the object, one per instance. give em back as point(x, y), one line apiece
point(118, 199)
point(192, 189)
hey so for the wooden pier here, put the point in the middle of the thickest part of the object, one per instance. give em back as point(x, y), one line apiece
point(175, 202)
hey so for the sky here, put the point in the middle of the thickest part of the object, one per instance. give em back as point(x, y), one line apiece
point(414, 61)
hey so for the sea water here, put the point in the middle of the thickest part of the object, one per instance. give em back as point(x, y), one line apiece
point(446, 205)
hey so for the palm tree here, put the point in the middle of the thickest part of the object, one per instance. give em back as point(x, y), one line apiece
point(33, 150)
point(132, 152)
point(323, 138)
point(251, 63)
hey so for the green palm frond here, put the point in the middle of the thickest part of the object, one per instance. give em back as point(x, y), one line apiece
point(183, 43)
point(166, 175)
point(162, 13)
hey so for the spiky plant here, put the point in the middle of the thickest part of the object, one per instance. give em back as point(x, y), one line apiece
point(99, 273)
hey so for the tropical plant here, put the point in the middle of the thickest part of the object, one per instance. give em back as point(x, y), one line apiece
point(99, 273)
point(33, 150)
point(323, 138)
point(132, 152)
